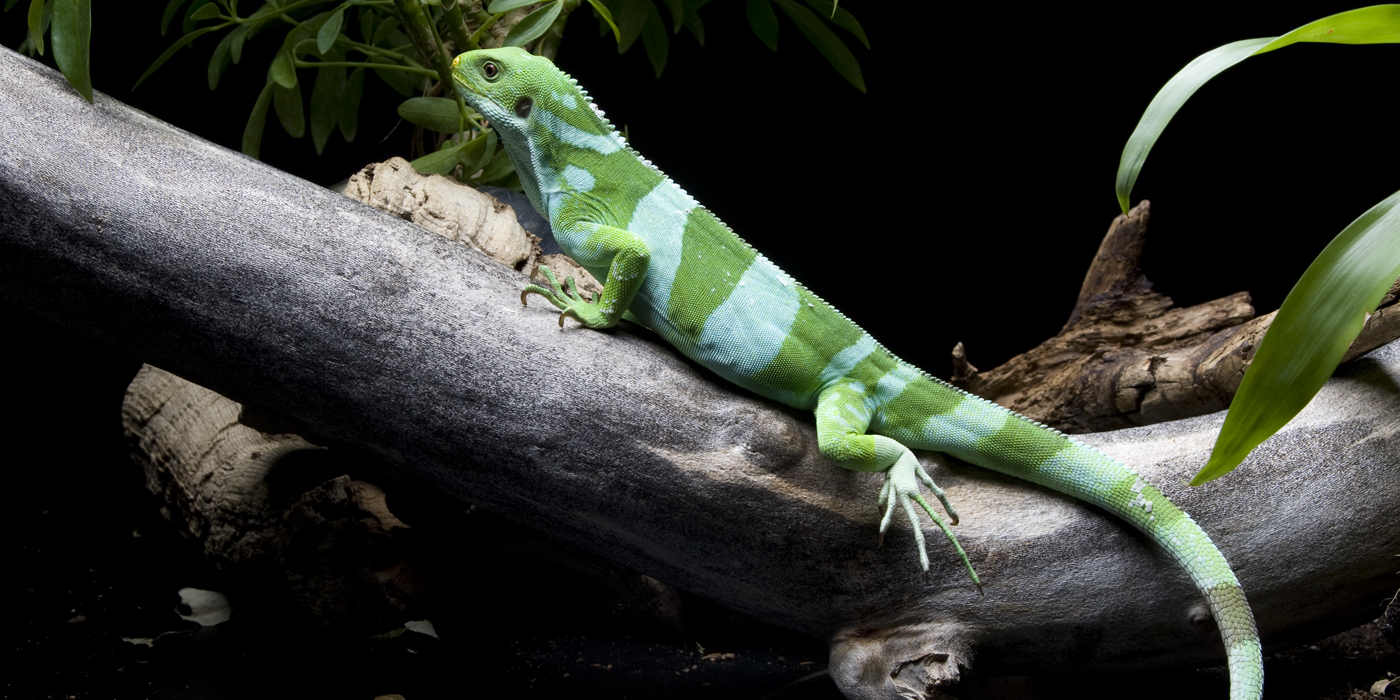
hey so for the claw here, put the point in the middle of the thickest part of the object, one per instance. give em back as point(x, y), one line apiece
point(902, 481)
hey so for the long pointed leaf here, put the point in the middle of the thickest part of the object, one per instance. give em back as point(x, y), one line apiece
point(764, 22)
point(826, 41)
point(1311, 333)
point(499, 6)
point(436, 113)
point(287, 103)
point(631, 16)
point(184, 40)
point(172, 9)
point(1379, 24)
point(220, 60)
point(607, 17)
point(534, 25)
point(325, 101)
point(257, 122)
point(350, 104)
point(325, 36)
point(655, 41)
point(72, 40)
point(37, 11)
point(440, 162)
point(841, 18)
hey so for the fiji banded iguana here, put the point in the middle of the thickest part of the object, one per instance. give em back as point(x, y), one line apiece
point(670, 265)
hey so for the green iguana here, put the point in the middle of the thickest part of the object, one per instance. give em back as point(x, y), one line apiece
point(669, 264)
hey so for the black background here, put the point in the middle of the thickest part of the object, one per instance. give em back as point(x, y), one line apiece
point(960, 199)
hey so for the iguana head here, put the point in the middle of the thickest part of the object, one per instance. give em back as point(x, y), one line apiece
point(539, 112)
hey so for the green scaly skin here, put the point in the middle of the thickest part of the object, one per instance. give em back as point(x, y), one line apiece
point(669, 264)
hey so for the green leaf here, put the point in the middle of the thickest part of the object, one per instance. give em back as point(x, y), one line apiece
point(326, 95)
point(498, 167)
point(9, 4)
point(603, 12)
point(441, 162)
point(283, 70)
point(209, 11)
point(236, 39)
point(325, 38)
point(219, 61)
point(826, 41)
point(39, 14)
point(677, 11)
point(630, 19)
point(477, 153)
point(1312, 331)
point(189, 23)
point(382, 31)
point(534, 25)
point(350, 104)
point(499, 6)
point(171, 9)
point(181, 43)
point(287, 103)
point(72, 40)
point(841, 18)
point(764, 22)
point(696, 26)
point(436, 113)
point(253, 132)
point(367, 19)
point(655, 41)
point(1369, 25)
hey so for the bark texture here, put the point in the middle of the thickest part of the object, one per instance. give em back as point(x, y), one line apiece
point(413, 351)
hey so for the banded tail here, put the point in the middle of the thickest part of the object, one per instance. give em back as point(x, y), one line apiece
point(982, 433)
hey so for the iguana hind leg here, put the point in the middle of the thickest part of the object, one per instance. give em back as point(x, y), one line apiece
point(843, 415)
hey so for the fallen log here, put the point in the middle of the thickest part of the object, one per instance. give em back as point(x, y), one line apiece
point(373, 334)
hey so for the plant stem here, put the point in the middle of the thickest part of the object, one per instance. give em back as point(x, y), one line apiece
point(419, 28)
point(358, 64)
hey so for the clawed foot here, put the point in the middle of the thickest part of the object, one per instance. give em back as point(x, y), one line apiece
point(575, 306)
point(902, 484)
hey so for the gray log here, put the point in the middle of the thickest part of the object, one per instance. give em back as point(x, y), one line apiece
point(377, 334)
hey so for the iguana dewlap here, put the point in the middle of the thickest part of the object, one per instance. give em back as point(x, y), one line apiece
point(675, 268)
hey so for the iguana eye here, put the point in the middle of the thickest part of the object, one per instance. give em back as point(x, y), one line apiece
point(522, 107)
point(490, 70)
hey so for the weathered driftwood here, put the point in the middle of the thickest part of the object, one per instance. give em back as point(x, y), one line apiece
point(1126, 357)
point(371, 333)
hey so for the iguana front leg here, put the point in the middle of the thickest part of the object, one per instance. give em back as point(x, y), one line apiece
point(630, 259)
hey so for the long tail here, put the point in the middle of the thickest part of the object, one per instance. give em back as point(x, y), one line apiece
point(985, 434)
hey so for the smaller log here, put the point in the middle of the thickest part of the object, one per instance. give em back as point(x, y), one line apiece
point(1127, 357)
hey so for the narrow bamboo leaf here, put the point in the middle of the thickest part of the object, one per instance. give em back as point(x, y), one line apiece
point(189, 22)
point(282, 70)
point(441, 162)
point(631, 17)
point(764, 22)
point(677, 10)
point(382, 31)
point(257, 121)
point(1379, 24)
point(436, 113)
point(499, 6)
point(171, 9)
point(350, 104)
point(696, 26)
point(219, 61)
point(181, 43)
point(367, 20)
point(498, 167)
point(287, 103)
point(72, 39)
point(236, 39)
point(826, 41)
point(37, 26)
point(325, 101)
point(325, 37)
point(1311, 333)
point(534, 25)
point(603, 12)
point(841, 18)
point(209, 11)
point(1168, 100)
point(655, 41)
